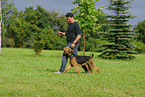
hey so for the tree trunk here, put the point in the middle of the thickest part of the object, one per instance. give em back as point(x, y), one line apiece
point(84, 43)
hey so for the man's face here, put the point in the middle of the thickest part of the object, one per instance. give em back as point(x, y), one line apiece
point(70, 20)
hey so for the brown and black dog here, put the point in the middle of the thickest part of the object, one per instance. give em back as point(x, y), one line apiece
point(80, 61)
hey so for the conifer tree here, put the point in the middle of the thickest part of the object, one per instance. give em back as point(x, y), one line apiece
point(119, 34)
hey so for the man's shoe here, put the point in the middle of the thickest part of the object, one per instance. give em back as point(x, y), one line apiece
point(58, 72)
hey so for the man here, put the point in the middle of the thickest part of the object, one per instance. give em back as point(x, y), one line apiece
point(73, 35)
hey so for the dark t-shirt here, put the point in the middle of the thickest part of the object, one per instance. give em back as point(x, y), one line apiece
point(72, 31)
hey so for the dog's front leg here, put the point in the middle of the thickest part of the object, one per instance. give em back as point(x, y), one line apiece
point(68, 68)
point(77, 68)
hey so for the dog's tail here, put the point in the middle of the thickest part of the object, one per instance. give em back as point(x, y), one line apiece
point(92, 55)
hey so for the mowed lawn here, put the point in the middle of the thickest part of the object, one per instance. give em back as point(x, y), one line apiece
point(23, 74)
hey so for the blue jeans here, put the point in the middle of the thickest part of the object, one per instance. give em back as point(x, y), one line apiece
point(65, 58)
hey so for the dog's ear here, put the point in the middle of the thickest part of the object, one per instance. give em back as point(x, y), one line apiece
point(64, 48)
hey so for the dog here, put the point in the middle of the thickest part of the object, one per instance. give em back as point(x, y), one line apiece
point(76, 61)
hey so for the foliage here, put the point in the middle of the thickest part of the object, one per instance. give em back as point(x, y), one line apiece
point(28, 44)
point(50, 19)
point(140, 31)
point(17, 30)
point(8, 10)
point(24, 74)
point(38, 46)
point(8, 42)
point(140, 46)
point(120, 34)
point(92, 44)
point(100, 33)
point(38, 43)
point(86, 14)
point(52, 41)
point(25, 24)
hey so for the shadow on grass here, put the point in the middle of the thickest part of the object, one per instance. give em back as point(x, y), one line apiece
point(74, 73)
point(54, 70)
point(47, 70)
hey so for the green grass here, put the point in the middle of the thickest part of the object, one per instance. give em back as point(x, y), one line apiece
point(23, 74)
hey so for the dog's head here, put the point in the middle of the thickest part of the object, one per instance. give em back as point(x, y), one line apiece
point(68, 51)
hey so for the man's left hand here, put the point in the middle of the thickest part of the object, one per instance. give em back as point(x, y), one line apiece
point(72, 45)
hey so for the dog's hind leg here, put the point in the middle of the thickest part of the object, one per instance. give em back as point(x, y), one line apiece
point(95, 68)
point(68, 68)
point(89, 68)
point(92, 64)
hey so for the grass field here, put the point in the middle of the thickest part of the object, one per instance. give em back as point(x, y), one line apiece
point(23, 74)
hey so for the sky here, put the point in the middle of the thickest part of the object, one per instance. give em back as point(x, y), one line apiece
point(64, 6)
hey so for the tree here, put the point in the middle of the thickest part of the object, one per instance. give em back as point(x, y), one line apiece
point(50, 23)
point(102, 20)
point(120, 34)
point(140, 31)
point(8, 10)
point(86, 15)
point(17, 31)
point(26, 26)
point(38, 44)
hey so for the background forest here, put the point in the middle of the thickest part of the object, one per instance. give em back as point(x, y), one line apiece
point(32, 26)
